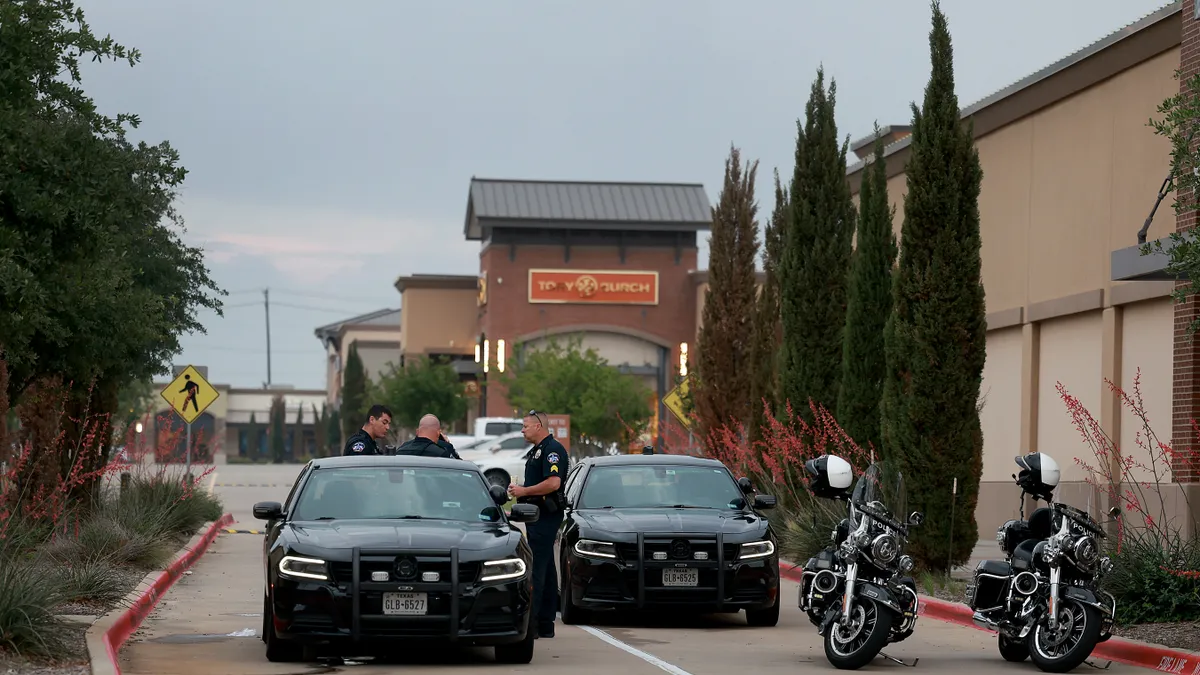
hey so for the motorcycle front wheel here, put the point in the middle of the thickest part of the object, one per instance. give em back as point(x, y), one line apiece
point(854, 645)
point(1070, 643)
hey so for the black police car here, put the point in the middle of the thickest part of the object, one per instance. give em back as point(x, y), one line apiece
point(666, 532)
point(370, 552)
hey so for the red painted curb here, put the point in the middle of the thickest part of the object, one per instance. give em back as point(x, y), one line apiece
point(1140, 654)
point(120, 631)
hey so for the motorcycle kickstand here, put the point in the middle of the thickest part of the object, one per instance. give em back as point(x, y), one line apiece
point(1104, 667)
point(896, 660)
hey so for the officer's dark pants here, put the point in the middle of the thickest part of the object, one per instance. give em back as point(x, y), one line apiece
point(545, 578)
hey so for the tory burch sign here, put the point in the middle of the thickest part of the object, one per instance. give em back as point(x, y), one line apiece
point(596, 287)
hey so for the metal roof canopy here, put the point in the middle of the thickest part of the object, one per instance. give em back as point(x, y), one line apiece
point(574, 205)
point(1129, 264)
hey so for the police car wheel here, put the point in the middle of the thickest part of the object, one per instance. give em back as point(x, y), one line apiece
point(519, 652)
point(763, 617)
point(278, 650)
point(571, 615)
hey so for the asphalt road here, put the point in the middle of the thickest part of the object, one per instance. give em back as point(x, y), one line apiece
point(209, 622)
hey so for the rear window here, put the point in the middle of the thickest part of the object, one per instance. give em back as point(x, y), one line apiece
point(501, 428)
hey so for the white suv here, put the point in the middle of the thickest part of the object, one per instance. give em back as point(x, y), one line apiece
point(502, 459)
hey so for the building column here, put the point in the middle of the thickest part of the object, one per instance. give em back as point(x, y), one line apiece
point(1111, 368)
point(1031, 361)
point(1186, 384)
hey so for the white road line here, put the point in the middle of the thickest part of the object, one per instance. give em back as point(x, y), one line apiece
point(648, 658)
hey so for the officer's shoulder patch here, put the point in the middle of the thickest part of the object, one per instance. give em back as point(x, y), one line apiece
point(552, 458)
point(359, 446)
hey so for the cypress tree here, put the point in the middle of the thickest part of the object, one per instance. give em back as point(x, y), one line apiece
point(277, 424)
point(354, 393)
point(815, 263)
point(870, 304)
point(724, 343)
point(936, 337)
point(764, 387)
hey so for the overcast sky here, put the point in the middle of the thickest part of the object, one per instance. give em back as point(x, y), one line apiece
point(330, 145)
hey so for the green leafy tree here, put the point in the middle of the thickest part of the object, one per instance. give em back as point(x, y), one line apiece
point(870, 304)
point(935, 340)
point(814, 267)
point(724, 345)
point(354, 393)
point(334, 439)
point(1179, 124)
point(298, 449)
point(422, 386)
point(320, 430)
point(606, 406)
point(278, 417)
point(253, 446)
point(133, 401)
point(89, 238)
point(767, 329)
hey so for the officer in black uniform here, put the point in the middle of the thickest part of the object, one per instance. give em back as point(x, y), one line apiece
point(364, 441)
point(430, 441)
point(546, 466)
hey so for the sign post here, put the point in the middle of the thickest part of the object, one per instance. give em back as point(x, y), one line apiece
point(189, 395)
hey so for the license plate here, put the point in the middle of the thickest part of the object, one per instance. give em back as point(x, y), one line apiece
point(680, 577)
point(409, 604)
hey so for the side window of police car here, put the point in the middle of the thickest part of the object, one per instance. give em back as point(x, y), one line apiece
point(574, 483)
point(291, 498)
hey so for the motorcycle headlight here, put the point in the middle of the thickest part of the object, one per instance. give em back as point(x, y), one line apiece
point(756, 549)
point(885, 548)
point(862, 539)
point(303, 568)
point(906, 564)
point(1086, 551)
point(595, 549)
point(499, 570)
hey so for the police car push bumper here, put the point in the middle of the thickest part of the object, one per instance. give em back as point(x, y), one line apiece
point(700, 570)
point(388, 593)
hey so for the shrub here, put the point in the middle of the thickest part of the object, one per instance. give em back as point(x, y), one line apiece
point(27, 623)
point(1156, 571)
point(103, 539)
point(97, 581)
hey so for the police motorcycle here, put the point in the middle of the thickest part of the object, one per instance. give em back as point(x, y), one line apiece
point(1044, 599)
point(856, 590)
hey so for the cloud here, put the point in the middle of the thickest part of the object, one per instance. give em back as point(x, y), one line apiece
point(309, 246)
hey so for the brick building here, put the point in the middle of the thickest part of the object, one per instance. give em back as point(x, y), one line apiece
point(613, 264)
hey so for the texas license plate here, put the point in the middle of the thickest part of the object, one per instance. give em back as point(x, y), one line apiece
point(405, 604)
point(680, 577)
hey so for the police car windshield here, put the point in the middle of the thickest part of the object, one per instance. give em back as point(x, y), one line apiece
point(659, 486)
point(386, 493)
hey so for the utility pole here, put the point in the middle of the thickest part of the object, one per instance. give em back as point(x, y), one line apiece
point(267, 309)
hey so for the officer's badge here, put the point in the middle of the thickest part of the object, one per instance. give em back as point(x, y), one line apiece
point(538, 454)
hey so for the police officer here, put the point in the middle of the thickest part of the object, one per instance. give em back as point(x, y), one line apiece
point(546, 466)
point(430, 441)
point(363, 441)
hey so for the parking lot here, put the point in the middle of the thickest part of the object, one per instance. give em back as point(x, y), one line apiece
point(210, 621)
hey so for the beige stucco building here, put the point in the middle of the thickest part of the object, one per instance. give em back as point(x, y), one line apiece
point(1071, 171)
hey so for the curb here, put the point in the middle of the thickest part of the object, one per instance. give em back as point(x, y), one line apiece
point(1129, 652)
point(105, 637)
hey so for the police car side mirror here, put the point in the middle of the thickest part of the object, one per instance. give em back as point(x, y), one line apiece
point(268, 510)
point(499, 494)
point(524, 513)
point(764, 501)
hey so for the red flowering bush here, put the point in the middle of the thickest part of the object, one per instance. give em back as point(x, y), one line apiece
point(1156, 576)
point(77, 525)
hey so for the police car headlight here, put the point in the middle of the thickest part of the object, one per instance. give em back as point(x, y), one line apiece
point(499, 570)
point(303, 568)
point(756, 549)
point(595, 549)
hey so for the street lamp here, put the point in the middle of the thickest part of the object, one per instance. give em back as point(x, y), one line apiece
point(683, 358)
point(500, 355)
point(482, 354)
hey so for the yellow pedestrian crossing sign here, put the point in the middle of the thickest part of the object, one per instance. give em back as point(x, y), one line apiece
point(674, 402)
point(189, 394)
